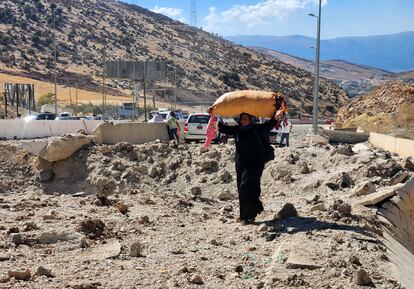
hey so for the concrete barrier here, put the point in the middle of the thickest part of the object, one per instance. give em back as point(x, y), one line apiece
point(398, 214)
point(21, 129)
point(403, 147)
point(134, 132)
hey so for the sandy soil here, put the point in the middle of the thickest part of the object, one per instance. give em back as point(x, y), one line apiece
point(179, 206)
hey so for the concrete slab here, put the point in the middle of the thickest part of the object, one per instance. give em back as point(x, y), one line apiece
point(377, 197)
point(35, 147)
point(299, 261)
point(360, 147)
point(57, 148)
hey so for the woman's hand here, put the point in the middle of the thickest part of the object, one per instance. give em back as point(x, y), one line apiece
point(279, 114)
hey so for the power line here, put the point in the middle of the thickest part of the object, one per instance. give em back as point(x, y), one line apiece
point(194, 13)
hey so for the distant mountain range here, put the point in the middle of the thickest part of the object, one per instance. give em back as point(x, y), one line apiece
point(393, 52)
point(355, 79)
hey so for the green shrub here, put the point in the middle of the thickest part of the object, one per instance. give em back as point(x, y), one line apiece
point(231, 79)
point(30, 12)
point(5, 39)
point(7, 16)
point(47, 98)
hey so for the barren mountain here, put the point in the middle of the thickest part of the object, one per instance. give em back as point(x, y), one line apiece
point(203, 64)
point(387, 109)
point(355, 79)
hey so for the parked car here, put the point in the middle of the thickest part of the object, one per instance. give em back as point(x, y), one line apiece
point(66, 116)
point(196, 126)
point(85, 118)
point(40, 116)
point(164, 114)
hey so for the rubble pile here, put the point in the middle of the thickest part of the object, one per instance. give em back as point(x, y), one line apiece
point(162, 215)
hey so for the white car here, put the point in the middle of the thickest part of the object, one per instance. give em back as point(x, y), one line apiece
point(164, 114)
point(196, 126)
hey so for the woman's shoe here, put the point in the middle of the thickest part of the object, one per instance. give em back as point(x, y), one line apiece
point(248, 221)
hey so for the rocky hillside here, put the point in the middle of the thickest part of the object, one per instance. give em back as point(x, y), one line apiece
point(86, 30)
point(387, 109)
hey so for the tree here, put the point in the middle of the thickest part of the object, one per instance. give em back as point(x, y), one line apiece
point(72, 34)
point(5, 39)
point(39, 6)
point(7, 16)
point(36, 40)
point(50, 63)
point(231, 79)
point(48, 40)
point(47, 98)
point(30, 12)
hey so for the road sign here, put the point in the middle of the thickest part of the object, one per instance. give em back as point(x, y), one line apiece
point(136, 70)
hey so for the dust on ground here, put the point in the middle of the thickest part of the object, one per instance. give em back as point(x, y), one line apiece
point(162, 215)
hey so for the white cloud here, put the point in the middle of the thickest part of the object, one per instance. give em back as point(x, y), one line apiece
point(252, 15)
point(173, 13)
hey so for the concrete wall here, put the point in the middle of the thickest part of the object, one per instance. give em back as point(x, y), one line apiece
point(134, 132)
point(19, 128)
point(401, 146)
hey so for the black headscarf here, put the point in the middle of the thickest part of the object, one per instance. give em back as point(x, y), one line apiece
point(250, 125)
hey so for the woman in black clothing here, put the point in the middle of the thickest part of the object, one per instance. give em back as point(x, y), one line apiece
point(250, 161)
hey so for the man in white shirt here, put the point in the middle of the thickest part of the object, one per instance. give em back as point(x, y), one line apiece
point(286, 127)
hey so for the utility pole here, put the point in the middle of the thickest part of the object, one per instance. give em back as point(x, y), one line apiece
point(76, 102)
point(145, 98)
point(316, 84)
point(153, 97)
point(5, 103)
point(175, 84)
point(55, 56)
point(103, 82)
point(70, 100)
point(134, 99)
point(208, 87)
point(16, 93)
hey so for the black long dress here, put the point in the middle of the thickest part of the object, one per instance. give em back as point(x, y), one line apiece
point(250, 161)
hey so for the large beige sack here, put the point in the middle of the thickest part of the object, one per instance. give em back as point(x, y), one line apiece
point(257, 103)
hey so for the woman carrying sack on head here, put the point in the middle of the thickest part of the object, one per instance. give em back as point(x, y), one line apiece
point(252, 152)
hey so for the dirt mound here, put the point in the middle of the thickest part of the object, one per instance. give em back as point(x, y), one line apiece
point(387, 109)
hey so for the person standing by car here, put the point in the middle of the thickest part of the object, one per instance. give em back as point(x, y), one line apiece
point(251, 156)
point(173, 126)
point(157, 118)
point(286, 127)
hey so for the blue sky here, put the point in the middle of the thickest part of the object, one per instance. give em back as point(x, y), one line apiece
point(288, 17)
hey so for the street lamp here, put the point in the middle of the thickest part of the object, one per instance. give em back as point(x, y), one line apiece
point(317, 60)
